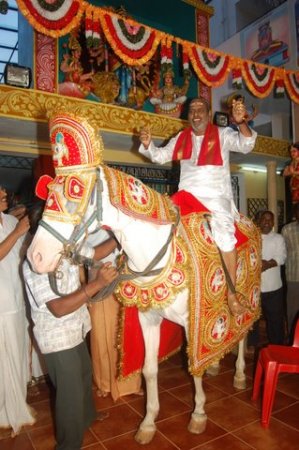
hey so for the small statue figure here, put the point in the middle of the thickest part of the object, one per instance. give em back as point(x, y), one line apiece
point(169, 98)
point(76, 83)
point(249, 115)
point(292, 170)
point(106, 86)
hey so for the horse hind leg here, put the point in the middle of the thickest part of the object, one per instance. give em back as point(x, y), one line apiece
point(198, 421)
point(150, 324)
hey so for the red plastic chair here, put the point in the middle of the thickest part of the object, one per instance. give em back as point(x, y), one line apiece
point(273, 360)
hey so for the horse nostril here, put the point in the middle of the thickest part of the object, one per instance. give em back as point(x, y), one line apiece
point(35, 258)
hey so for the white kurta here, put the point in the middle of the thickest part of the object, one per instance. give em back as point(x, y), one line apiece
point(211, 185)
point(14, 367)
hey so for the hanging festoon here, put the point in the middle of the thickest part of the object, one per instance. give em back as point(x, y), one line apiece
point(260, 79)
point(291, 80)
point(186, 65)
point(279, 89)
point(133, 43)
point(237, 80)
point(53, 18)
point(211, 67)
point(136, 44)
point(92, 29)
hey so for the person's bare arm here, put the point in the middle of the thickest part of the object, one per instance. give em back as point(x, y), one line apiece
point(268, 264)
point(105, 248)
point(21, 228)
point(62, 306)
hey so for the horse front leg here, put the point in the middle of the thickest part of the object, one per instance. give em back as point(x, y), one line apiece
point(240, 377)
point(198, 421)
point(150, 324)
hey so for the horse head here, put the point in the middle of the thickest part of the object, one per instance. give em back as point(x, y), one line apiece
point(70, 209)
point(85, 194)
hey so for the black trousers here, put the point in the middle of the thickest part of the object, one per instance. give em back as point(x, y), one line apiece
point(273, 312)
point(71, 374)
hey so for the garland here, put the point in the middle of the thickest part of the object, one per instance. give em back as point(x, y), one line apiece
point(53, 19)
point(135, 44)
point(292, 84)
point(260, 79)
point(211, 67)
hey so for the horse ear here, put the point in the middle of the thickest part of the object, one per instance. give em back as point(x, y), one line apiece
point(41, 188)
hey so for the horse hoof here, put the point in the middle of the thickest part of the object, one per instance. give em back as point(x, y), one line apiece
point(198, 425)
point(240, 383)
point(144, 437)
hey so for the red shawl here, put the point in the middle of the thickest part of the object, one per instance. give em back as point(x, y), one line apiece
point(210, 153)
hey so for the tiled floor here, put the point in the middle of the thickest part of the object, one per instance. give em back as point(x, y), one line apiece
point(233, 419)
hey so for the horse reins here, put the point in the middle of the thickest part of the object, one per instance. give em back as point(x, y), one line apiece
point(71, 250)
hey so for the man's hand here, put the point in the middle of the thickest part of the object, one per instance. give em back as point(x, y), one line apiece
point(239, 112)
point(22, 226)
point(145, 137)
point(106, 274)
point(18, 211)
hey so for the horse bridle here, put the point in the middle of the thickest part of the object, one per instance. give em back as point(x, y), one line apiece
point(71, 250)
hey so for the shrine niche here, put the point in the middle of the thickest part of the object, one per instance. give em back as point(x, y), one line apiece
point(90, 69)
point(118, 51)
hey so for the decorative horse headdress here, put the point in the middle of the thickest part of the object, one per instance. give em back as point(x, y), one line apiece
point(75, 143)
point(76, 151)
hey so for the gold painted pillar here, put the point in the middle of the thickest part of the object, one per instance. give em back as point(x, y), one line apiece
point(272, 189)
point(45, 68)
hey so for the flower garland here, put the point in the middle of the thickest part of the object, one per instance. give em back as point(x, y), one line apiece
point(54, 19)
point(166, 56)
point(133, 43)
point(279, 90)
point(259, 78)
point(211, 67)
point(292, 84)
point(237, 81)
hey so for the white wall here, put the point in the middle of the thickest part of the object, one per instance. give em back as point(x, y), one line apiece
point(274, 114)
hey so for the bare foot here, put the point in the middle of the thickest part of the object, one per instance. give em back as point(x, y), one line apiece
point(234, 305)
point(102, 415)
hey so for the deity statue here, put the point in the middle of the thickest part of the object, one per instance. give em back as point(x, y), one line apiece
point(169, 98)
point(106, 86)
point(76, 83)
point(292, 171)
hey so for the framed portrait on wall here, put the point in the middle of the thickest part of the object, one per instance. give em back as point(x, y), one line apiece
point(267, 41)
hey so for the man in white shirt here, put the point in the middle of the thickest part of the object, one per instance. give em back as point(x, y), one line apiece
point(273, 257)
point(203, 150)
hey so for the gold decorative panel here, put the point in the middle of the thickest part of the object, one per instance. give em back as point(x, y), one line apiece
point(32, 105)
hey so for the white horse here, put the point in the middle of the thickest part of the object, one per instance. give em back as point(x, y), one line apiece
point(141, 241)
point(66, 220)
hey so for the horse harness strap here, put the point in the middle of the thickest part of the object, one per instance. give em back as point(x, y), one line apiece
point(147, 272)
